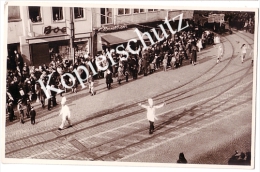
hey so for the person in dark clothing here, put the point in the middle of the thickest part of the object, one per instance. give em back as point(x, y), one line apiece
point(28, 108)
point(19, 61)
point(182, 159)
point(109, 79)
point(32, 114)
point(239, 159)
point(10, 111)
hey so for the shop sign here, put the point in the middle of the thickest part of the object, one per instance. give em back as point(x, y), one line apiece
point(112, 28)
point(49, 29)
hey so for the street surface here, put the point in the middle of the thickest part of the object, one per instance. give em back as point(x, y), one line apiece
point(207, 117)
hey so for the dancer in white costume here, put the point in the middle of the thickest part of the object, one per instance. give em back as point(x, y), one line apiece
point(65, 113)
point(151, 113)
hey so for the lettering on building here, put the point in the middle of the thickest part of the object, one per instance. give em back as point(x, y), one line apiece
point(48, 30)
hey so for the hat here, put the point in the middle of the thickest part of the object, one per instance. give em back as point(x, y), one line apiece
point(63, 100)
point(150, 101)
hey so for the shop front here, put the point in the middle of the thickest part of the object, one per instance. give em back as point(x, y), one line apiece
point(45, 49)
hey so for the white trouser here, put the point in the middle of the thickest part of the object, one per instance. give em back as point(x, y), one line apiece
point(63, 122)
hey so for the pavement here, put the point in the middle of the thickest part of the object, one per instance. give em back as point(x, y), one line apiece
point(208, 116)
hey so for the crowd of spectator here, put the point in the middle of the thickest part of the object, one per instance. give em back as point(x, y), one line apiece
point(241, 20)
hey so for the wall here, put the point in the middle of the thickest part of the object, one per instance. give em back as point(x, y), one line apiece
point(14, 32)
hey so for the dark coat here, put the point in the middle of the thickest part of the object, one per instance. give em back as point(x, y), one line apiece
point(109, 78)
point(32, 113)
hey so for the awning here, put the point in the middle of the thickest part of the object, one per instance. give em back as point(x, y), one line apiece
point(121, 36)
point(46, 38)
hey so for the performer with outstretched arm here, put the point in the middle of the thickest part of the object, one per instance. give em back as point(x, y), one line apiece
point(151, 113)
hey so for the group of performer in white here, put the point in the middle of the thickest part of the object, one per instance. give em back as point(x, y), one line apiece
point(244, 51)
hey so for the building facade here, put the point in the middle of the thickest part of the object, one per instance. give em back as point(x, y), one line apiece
point(40, 32)
point(113, 26)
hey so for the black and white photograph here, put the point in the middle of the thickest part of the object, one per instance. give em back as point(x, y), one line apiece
point(129, 85)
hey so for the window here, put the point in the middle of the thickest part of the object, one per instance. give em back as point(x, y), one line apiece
point(152, 10)
point(138, 10)
point(35, 14)
point(122, 11)
point(78, 12)
point(106, 15)
point(14, 13)
point(57, 13)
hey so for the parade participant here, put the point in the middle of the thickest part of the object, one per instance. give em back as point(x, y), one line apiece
point(20, 109)
point(220, 53)
point(65, 113)
point(32, 115)
point(243, 52)
point(151, 113)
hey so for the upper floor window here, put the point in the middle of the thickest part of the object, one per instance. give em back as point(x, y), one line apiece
point(14, 13)
point(106, 15)
point(35, 14)
point(78, 12)
point(57, 13)
point(122, 11)
point(136, 10)
point(152, 10)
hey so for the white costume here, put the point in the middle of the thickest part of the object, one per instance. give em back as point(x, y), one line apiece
point(151, 113)
point(151, 110)
point(220, 53)
point(65, 112)
point(243, 52)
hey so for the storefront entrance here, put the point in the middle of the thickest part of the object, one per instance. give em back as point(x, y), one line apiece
point(40, 54)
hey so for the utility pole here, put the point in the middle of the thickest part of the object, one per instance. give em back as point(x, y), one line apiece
point(72, 35)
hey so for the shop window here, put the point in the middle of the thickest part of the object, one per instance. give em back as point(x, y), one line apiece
point(106, 15)
point(35, 14)
point(123, 11)
point(136, 10)
point(57, 13)
point(78, 12)
point(14, 13)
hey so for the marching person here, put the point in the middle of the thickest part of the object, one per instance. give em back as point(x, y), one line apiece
point(220, 54)
point(32, 115)
point(151, 113)
point(65, 112)
point(243, 52)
